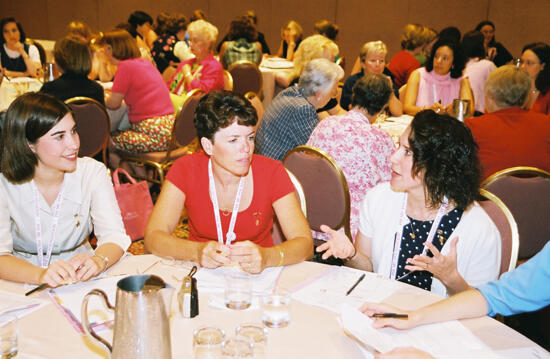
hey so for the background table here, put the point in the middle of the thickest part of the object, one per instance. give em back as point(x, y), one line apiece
point(312, 333)
point(269, 68)
point(10, 90)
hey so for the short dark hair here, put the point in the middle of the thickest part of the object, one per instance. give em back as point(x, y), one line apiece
point(445, 152)
point(73, 55)
point(491, 24)
point(327, 29)
point(7, 20)
point(218, 109)
point(371, 92)
point(458, 57)
point(450, 33)
point(28, 118)
point(139, 18)
point(542, 50)
point(241, 27)
point(472, 44)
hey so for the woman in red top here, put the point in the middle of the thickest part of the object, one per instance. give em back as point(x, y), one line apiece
point(230, 196)
point(535, 59)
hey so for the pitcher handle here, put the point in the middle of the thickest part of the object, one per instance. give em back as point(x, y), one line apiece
point(105, 345)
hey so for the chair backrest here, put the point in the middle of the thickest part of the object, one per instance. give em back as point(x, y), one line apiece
point(184, 129)
point(92, 124)
point(325, 187)
point(528, 198)
point(41, 51)
point(277, 232)
point(341, 61)
point(507, 227)
point(227, 81)
point(257, 104)
point(246, 77)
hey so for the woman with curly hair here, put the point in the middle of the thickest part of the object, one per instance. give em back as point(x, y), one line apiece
point(440, 82)
point(423, 227)
point(242, 43)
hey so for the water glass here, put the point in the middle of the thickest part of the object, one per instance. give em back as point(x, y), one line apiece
point(275, 309)
point(8, 336)
point(207, 342)
point(257, 334)
point(238, 290)
point(237, 347)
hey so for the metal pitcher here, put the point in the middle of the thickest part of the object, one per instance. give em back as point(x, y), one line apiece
point(141, 328)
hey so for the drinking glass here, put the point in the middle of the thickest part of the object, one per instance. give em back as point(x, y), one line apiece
point(238, 290)
point(275, 309)
point(257, 334)
point(237, 347)
point(8, 336)
point(207, 342)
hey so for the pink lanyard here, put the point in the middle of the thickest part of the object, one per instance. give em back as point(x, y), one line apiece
point(399, 234)
point(44, 262)
point(230, 233)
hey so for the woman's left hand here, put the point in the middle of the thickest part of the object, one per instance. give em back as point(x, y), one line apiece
point(441, 266)
point(86, 266)
point(249, 256)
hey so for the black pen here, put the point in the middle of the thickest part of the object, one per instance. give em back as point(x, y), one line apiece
point(40, 287)
point(356, 283)
point(391, 315)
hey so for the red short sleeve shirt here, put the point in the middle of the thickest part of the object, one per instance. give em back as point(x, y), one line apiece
point(271, 182)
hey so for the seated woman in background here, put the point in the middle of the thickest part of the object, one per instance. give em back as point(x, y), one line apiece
point(80, 30)
point(45, 185)
point(203, 71)
point(327, 29)
point(373, 61)
point(404, 62)
point(535, 59)
point(16, 57)
point(242, 43)
point(292, 35)
point(142, 25)
point(230, 196)
point(140, 85)
point(73, 58)
point(173, 30)
point(440, 82)
point(361, 150)
point(494, 50)
point(424, 227)
point(477, 68)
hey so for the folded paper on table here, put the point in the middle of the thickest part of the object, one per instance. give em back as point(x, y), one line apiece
point(441, 340)
point(214, 279)
point(277, 63)
point(18, 305)
point(329, 290)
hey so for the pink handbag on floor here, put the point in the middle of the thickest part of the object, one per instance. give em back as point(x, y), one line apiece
point(135, 203)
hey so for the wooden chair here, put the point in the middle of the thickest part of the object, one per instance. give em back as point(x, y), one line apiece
point(227, 81)
point(257, 104)
point(40, 48)
point(181, 143)
point(503, 219)
point(276, 231)
point(92, 124)
point(246, 77)
point(325, 187)
point(526, 192)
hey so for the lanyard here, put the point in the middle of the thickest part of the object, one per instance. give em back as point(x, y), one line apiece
point(44, 262)
point(399, 234)
point(230, 234)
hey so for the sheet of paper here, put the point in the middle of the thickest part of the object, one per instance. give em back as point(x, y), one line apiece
point(213, 280)
point(525, 353)
point(441, 340)
point(329, 290)
point(18, 304)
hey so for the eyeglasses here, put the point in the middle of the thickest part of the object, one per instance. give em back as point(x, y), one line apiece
point(520, 62)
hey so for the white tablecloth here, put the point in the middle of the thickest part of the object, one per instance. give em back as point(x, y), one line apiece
point(11, 89)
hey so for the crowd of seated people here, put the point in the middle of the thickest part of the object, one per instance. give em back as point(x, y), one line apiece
point(414, 215)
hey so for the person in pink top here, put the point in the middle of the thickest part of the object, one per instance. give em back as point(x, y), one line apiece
point(362, 151)
point(440, 82)
point(203, 71)
point(140, 85)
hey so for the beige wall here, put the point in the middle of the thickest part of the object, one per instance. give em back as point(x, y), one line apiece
point(518, 23)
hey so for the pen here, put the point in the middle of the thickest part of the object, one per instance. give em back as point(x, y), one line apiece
point(40, 287)
point(391, 315)
point(356, 283)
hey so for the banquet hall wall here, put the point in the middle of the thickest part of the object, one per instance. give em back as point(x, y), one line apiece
point(517, 23)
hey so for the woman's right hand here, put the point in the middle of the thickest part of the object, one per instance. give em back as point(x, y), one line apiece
point(58, 273)
point(338, 246)
point(369, 309)
point(214, 255)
